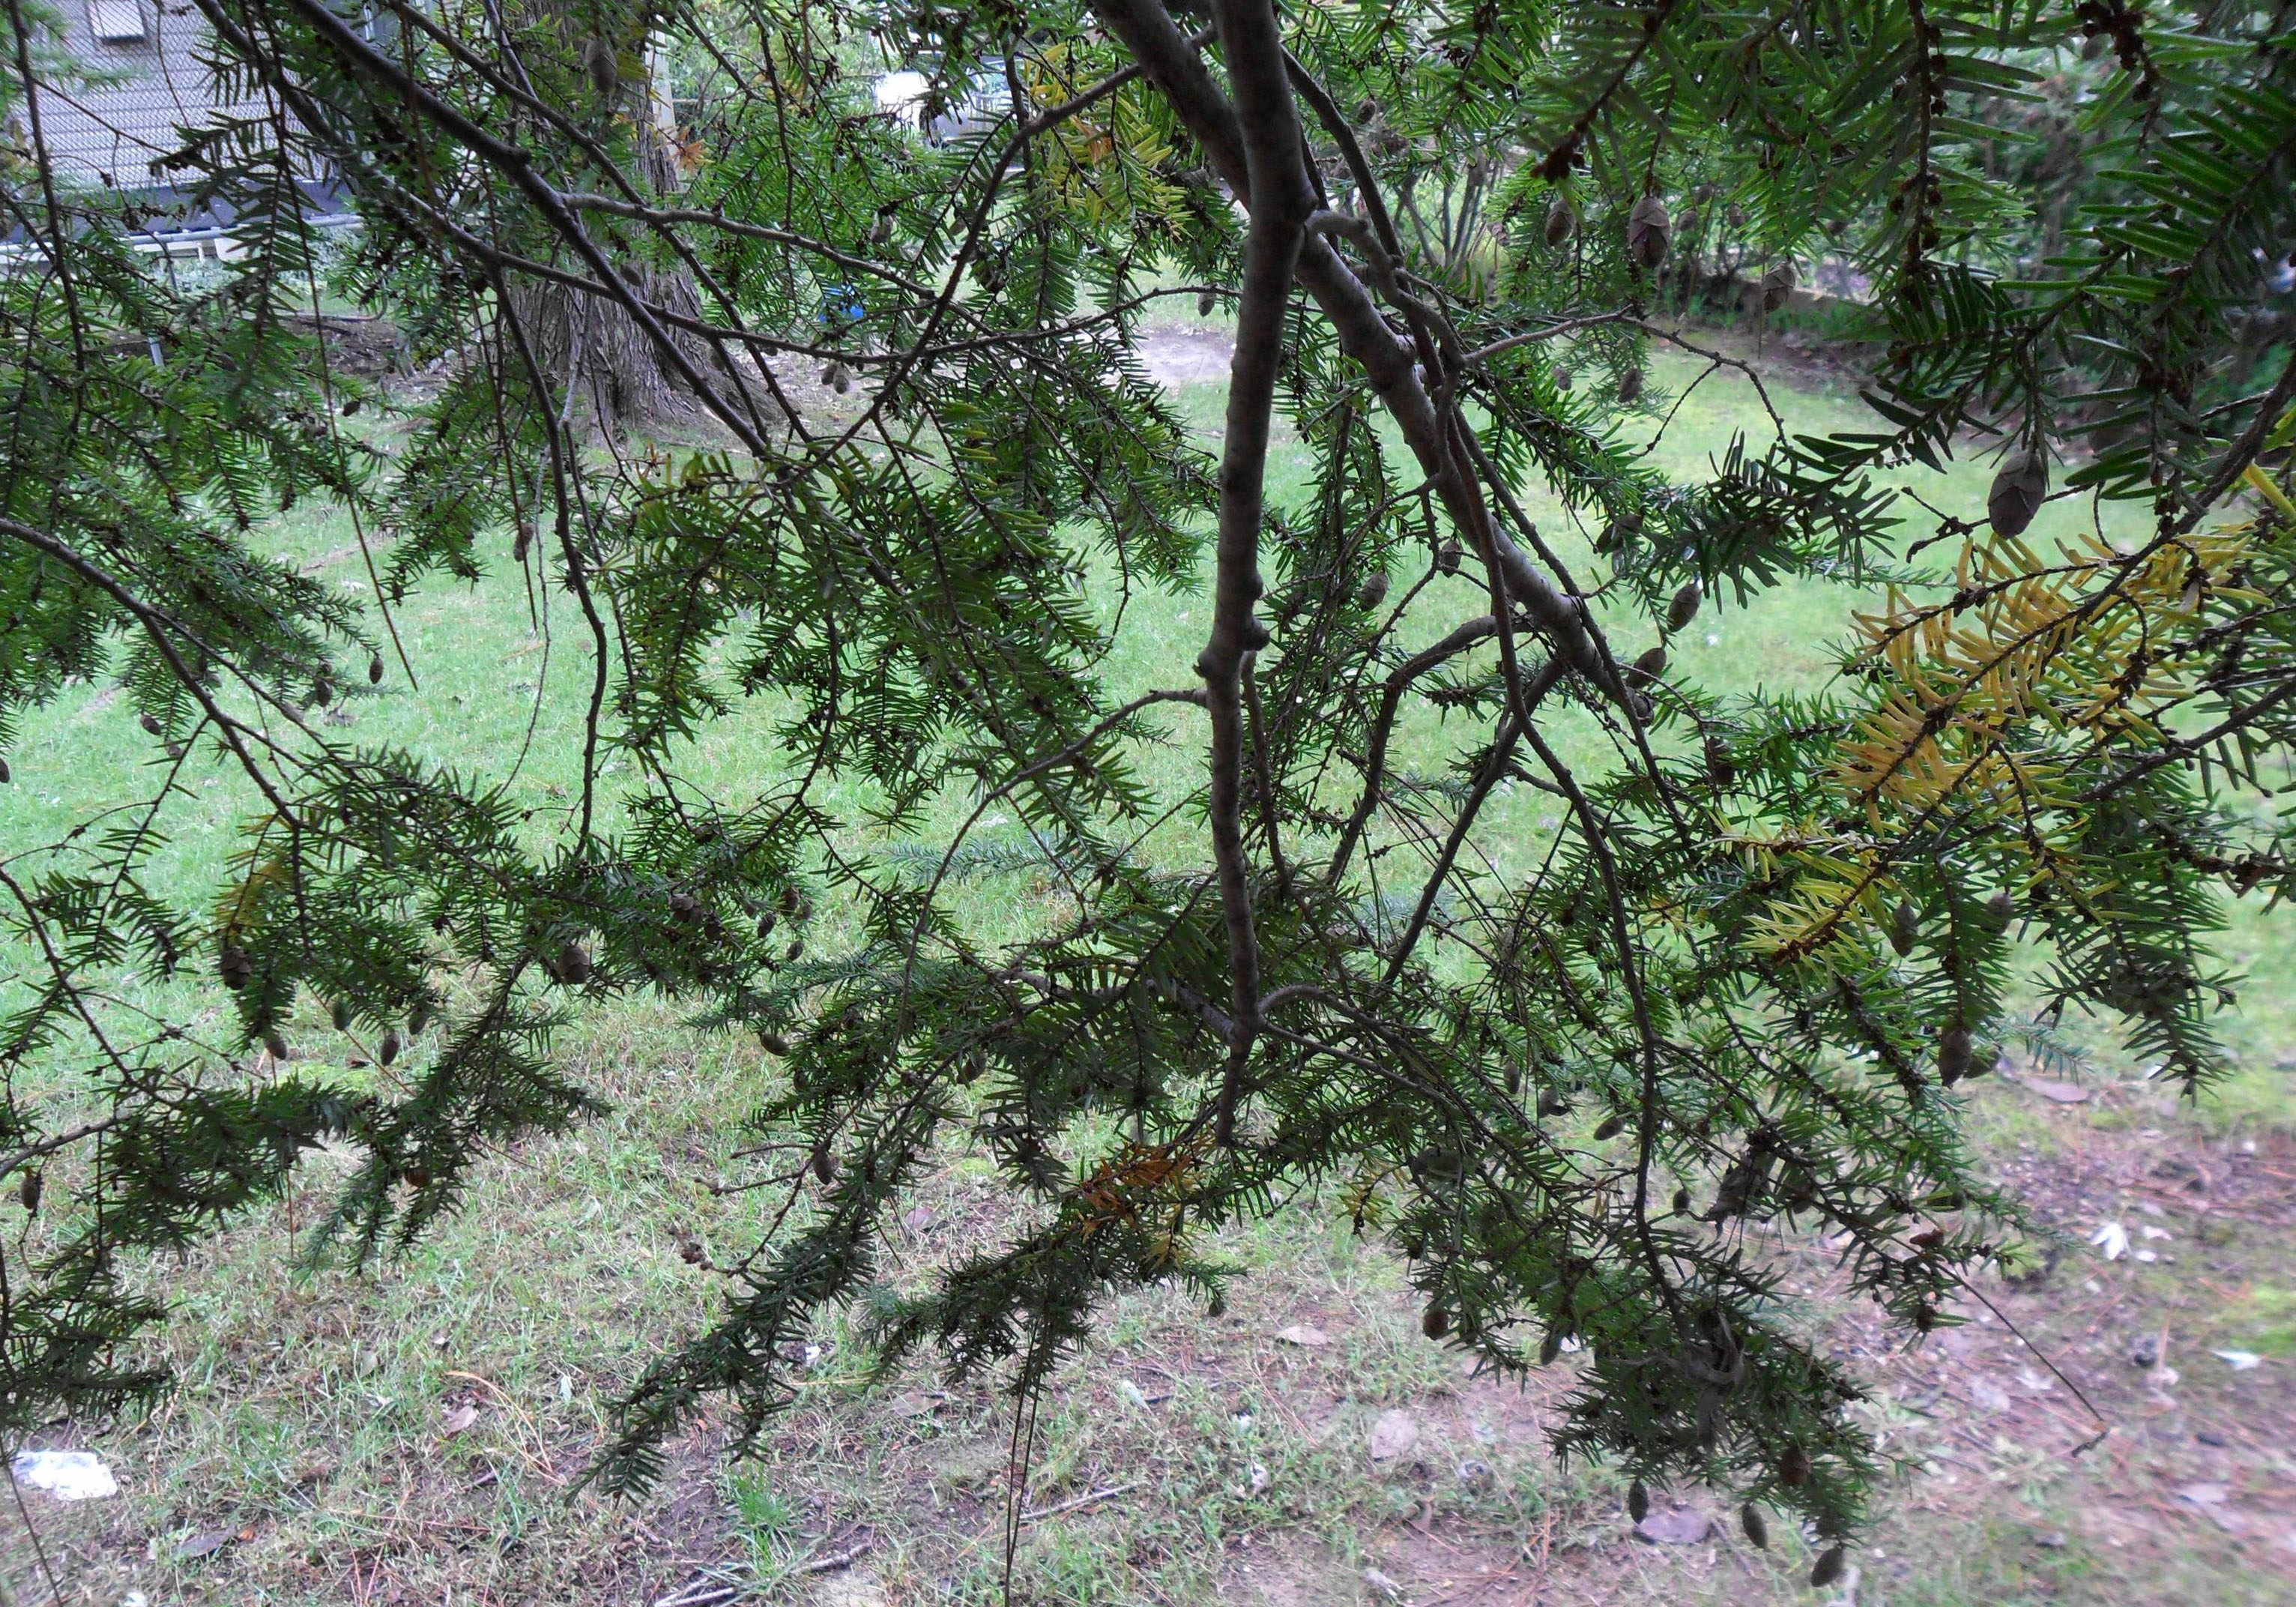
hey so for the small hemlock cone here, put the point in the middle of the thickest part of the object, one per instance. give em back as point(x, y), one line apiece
point(1829, 1568)
point(2018, 492)
point(1561, 222)
point(1776, 286)
point(1684, 608)
point(1952, 1054)
point(1648, 231)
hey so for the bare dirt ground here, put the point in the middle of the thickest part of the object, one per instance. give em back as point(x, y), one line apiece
point(1187, 354)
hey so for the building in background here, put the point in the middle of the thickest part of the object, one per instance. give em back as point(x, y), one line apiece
point(129, 79)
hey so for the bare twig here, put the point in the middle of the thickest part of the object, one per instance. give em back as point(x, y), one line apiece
point(843, 1557)
point(1089, 1498)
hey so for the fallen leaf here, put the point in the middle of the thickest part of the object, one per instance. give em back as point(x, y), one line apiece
point(1260, 1478)
point(201, 1544)
point(1392, 1434)
point(455, 1416)
point(2063, 1094)
point(1305, 1335)
point(2239, 1361)
point(2111, 1238)
point(1680, 1527)
point(2205, 1495)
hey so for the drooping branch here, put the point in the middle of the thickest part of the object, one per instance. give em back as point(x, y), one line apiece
point(1281, 203)
point(1388, 362)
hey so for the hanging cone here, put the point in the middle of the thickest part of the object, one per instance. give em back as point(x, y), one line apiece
point(1561, 221)
point(2018, 492)
point(1777, 285)
point(1648, 232)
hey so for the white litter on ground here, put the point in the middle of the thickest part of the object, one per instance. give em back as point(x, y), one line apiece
point(67, 1475)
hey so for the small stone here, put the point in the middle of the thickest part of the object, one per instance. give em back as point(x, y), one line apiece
point(1392, 1434)
point(1678, 1527)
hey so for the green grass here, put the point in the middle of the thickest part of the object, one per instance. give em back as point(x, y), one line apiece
point(316, 1412)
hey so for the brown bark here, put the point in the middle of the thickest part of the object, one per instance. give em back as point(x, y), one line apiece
point(1256, 143)
point(1388, 361)
point(1281, 202)
point(593, 349)
point(613, 367)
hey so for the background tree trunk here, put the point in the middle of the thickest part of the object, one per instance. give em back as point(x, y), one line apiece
point(594, 354)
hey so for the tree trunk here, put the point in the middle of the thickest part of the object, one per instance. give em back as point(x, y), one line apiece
point(594, 355)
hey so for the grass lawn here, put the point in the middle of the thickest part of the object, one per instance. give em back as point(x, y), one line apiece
point(418, 1434)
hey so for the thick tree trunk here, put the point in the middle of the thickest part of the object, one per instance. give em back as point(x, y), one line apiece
point(593, 351)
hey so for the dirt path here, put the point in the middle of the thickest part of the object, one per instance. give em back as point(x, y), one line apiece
point(1187, 354)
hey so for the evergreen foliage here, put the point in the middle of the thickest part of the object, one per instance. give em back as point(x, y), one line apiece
point(1769, 935)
